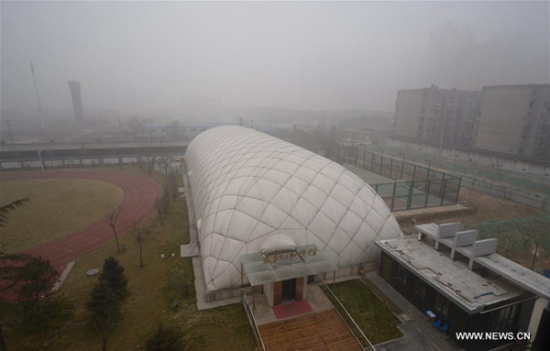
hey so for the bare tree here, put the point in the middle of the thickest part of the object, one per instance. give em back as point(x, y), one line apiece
point(163, 163)
point(111, 220)
point(139, 233)
point(173, 186)
point(136, 126)
point(159, 205)
point(166, 198)
point(151, 164)
point(140, 160)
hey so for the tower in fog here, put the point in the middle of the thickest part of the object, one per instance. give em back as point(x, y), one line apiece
point(74, 87)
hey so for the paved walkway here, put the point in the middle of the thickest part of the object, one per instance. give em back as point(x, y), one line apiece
point(263, 313)
point(138, 204)
point(418, 333)
point(322, 330)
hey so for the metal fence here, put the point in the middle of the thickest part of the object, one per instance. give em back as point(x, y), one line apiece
point(409, 185)
point(250, 314)
point(520, 196)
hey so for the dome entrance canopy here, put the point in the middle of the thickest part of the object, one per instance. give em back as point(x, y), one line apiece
point(278, 242)
point(284, 265)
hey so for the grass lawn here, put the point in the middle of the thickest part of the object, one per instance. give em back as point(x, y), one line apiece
point(153, 289)
point(56, 208)
point(374, 318)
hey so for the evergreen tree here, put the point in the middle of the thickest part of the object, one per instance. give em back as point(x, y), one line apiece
point(165, 338)
point(30, 277)
point(113, 276)
point(104, 311)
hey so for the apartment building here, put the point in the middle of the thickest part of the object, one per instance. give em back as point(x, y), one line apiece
point(515, 120)
point(438, 115)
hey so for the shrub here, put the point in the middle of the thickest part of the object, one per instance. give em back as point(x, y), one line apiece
point(165, 338)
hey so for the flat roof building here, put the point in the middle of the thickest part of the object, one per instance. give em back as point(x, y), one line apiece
point(434, 115)
point(466, 285)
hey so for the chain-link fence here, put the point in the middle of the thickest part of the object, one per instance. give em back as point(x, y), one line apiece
point(537, 200)
point(409, 185)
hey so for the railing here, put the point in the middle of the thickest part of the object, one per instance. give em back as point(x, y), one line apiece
point(252, 321)
point(415, 186)
point(539, 200)
point(334, 298)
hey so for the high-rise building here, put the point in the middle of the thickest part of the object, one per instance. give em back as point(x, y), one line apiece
point(435, 115)
point(74, 87)
point(515, 120)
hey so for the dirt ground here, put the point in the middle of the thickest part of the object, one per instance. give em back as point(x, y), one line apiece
point(485, 207)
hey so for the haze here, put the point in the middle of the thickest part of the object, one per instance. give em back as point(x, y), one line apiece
point(145, 57)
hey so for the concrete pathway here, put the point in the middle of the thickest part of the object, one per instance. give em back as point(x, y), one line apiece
point(263, 313)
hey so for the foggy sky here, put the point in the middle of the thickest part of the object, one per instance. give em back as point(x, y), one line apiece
point(147, 56)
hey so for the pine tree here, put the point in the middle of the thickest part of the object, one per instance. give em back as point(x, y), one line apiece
point(104, 310)
point(113, 276)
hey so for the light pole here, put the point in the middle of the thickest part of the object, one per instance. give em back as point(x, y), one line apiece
point(120, 129)
point(8, 123)
point(38, 98)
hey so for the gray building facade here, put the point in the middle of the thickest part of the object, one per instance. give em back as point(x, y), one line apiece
point(507, 119)
point(515, 120)
point(435, 115)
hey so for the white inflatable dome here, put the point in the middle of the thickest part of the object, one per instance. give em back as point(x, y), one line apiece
point(248, 186)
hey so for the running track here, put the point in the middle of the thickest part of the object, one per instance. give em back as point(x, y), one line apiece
point(138, 205)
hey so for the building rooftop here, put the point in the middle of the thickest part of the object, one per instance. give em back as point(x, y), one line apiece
point(483, 253)
point(515, 86)
point(469, 290)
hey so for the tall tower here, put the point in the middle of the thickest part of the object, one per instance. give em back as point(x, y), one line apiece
point(74, 87)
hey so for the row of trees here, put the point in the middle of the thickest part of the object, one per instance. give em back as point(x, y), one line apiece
point(107, 296)
point(168, 195)
point(30, 280)
point(139, 232)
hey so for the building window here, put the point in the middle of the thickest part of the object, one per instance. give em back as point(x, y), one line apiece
point(401, 274)
point(505, 318)
point(420, 288)
point(442, 305)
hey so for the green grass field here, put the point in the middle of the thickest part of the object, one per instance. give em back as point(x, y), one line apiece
point(153, 290)
point(56, 208)
point(374, 318)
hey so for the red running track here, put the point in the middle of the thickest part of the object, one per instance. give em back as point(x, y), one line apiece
point(138, 205)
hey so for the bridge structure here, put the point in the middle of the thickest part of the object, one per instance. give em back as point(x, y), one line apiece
point(46, 155)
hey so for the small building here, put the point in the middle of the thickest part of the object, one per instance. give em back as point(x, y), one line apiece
point(467, 286)
point(270, 214)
